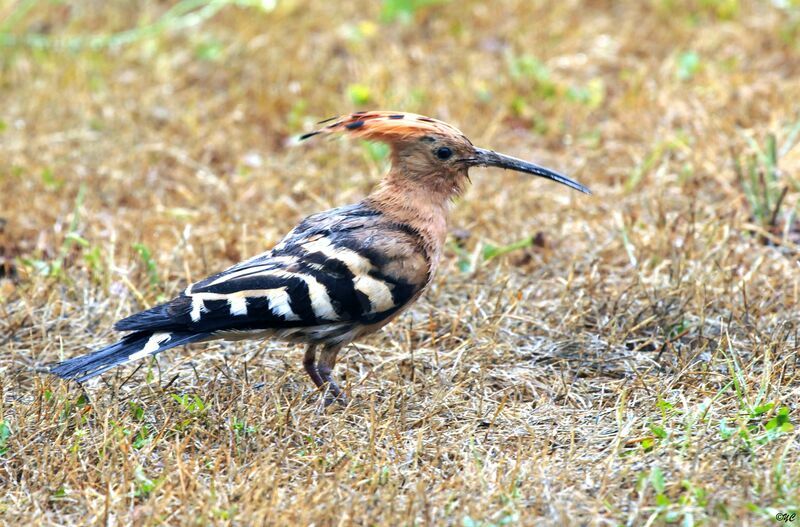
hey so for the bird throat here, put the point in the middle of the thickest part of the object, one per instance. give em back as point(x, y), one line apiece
point(422, 205)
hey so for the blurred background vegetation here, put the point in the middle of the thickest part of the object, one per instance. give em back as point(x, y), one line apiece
point(199, 96)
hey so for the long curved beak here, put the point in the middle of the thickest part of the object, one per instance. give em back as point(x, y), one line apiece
point(490, 158)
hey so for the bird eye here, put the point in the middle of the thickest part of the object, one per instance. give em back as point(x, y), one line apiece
point(444, 153)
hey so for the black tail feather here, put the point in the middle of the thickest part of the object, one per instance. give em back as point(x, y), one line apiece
point(131, 347)
point(172, 316)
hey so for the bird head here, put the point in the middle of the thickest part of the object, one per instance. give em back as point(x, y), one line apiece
point(430, 153)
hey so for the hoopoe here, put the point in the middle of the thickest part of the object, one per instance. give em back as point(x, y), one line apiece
point(340, 274)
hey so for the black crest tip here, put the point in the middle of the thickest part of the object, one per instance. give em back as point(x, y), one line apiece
point(309, 134)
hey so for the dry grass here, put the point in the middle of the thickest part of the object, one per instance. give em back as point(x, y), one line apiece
point(636, 365)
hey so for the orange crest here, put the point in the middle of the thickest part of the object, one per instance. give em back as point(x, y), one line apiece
point(385, 126)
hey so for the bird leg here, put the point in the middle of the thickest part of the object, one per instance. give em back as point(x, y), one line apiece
point(325, 368)
point(310, 364)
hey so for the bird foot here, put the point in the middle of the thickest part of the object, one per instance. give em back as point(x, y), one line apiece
point(334, 394)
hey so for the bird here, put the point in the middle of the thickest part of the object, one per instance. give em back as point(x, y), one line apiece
point(339, 275)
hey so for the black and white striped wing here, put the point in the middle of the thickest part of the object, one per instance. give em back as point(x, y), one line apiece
point(327, 271)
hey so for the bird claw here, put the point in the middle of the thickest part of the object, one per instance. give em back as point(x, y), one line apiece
point(340, 399)
point(334, 394)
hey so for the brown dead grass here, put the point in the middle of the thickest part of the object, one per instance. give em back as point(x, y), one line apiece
point(627, 369)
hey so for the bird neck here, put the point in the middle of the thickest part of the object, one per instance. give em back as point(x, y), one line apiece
point(424, 208)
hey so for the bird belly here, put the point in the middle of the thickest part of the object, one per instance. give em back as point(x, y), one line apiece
point(336, 332)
